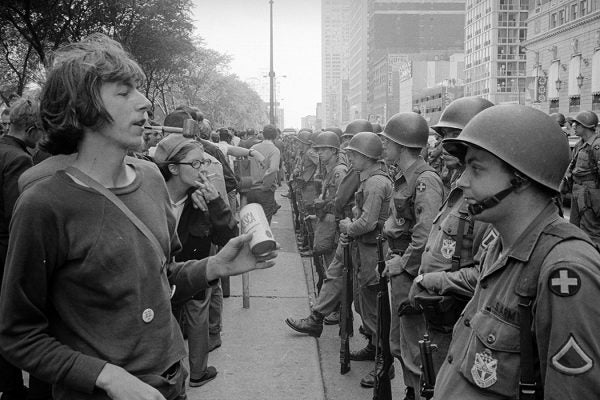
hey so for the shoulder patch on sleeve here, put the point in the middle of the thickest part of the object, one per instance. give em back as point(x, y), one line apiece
point(571, 359)
point(597, 147)
point(564, 282)
point(421, 186)
point(489, 238)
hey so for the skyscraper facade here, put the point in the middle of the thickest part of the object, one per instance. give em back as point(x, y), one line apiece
point(334, 41)
point(495, 61)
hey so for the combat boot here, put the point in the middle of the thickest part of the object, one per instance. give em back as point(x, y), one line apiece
point(369, 380)
point(365, 354)
point(312, 325)
point(333, 318)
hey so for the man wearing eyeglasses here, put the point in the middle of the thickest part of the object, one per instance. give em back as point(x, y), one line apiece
point(23, 133)
point(583, 175)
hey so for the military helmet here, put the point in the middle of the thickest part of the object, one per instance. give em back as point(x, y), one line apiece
point(366, 143)
point(589, 119)
point(377, 127)
point(460, 112)
point(356, 126)
point(559, 118)
point(335, 130)
point(304, 136)
point(327, 139)
point(527, 139)
point(408, 129)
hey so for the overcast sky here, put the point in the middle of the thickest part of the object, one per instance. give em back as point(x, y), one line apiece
point(240, 28)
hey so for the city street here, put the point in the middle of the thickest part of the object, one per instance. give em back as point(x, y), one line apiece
point(262, 358)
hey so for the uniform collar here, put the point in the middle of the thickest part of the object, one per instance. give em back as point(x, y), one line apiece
point(364, 175)
point(525, 244)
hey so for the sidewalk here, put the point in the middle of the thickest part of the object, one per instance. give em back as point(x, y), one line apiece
point(259, 359)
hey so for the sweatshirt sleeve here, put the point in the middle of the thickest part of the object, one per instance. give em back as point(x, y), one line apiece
point(34, 252)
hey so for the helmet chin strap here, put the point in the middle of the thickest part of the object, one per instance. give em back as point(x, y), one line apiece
point(493, 201)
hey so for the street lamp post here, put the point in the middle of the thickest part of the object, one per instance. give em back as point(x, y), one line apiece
point(271, 75)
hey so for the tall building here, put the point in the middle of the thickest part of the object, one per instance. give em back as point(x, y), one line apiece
point(334, 38)
point(357, 59)
point(495, 59)
point(563, 49)
point(400, 31)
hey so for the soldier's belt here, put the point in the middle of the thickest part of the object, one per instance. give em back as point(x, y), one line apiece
point(580, 181)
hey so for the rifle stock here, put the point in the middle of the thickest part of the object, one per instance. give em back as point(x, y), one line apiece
point(427, 370)
point(383, 386)
point(346, 319)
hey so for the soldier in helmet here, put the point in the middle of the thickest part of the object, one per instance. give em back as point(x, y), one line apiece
point(530, 330)
point(450, 252)
point(452, 121)
point(371, 209)
point(330, 295)
point(418, 194)
point(561, 121)
point(303, 180)
point(327, 145)
point(583, 175)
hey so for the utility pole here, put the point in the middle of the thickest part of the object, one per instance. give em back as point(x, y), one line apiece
point(271, 76)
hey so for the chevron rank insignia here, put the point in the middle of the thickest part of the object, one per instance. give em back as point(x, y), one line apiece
point(570, 359)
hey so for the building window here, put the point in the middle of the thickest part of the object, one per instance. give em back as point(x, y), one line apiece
point(582, 8)
point(553, 106)
point(596, 102)
point(574, 8)
point(553, 20)
point(561, 17)
point(574, 102)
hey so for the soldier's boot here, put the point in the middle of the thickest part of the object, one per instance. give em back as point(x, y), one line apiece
point(333, 318)
point(312, 325)
point(365, 354)
point(369, 380)
point(410, 393)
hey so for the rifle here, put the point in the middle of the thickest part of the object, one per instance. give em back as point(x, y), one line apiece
point(427, 371)
point(383, 356)
point(346, 317)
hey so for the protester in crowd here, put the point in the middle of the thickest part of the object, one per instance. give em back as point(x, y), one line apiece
point(250, 140)
point(23, 134)
point(88, 307)
point(181, 162)
point(264, 175)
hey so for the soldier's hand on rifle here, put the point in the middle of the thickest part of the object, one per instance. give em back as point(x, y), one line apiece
point(344, 239)
point(344, 224)
point(310, 217)
point(393, 266)
point(429, 284)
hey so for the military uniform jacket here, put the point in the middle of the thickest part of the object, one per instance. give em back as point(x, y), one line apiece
point(584, 155)
point(308, 165)
point(483, 361)
point(334, 175)
point(412, 213)
point(372, 200)
point(444, 243)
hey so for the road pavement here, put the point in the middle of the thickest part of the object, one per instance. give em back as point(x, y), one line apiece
point(261, 357)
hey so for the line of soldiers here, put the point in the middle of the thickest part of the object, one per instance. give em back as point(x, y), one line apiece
point(456, 256)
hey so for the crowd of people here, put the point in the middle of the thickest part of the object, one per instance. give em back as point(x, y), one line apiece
point(118, 228)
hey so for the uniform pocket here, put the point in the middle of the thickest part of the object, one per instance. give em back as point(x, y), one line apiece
point(492, 360)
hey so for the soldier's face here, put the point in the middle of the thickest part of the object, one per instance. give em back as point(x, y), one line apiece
point(391, 151)
point(325, 154)
point(358, 161)
point(485, 175)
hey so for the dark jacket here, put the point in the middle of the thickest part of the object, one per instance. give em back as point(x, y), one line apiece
point(197, 230)
point(14, 160)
